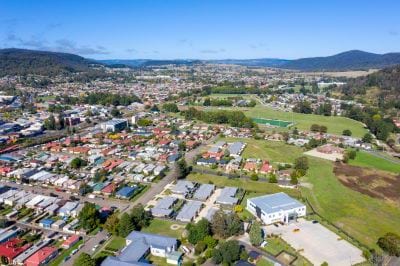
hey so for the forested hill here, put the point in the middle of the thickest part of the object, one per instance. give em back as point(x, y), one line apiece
point(384, 83)
point(350, 60)
point(22, 62)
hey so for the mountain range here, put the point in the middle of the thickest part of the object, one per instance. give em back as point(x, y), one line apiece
point(350, 60)
point(22, 62)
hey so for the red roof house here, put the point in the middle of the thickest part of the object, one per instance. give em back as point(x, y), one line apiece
point(42, 256)
point(11, 249)
point(70, 241)
point(266, 168)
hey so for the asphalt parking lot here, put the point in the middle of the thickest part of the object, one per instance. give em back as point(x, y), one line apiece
point(318, 244)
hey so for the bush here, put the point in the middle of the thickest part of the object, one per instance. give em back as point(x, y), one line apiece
point(199, 248)
point(390, 243)
point(254, 177)
point(201, 260)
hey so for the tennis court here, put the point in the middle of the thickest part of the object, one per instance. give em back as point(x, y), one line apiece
point(272, 122)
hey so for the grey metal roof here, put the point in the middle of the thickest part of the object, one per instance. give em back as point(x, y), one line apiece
point(165, 203)
point(204, 191)
point(235, 148)
point(189, 211)
point(133, 254)
point(114, 261)
point(276, 202)
point(182, 187)
point(227, 196)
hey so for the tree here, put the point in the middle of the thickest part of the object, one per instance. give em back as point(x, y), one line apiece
point(115, 112)
point(367, 138)
point(254, 177)
point(272, 178)
point(125, 225)
point(198, 231)
point(323, 129)
point(111, 224)
point(301, 163)
point(50, 123)
point(154, 108)
point(207, 102)
point(324, 263)
point(256, 234)
point(352, 154)
point(199, 248)
point(182, 169)
point(77, 163)
point(347, 132)
point(170, 107)
point(210, 242)
point(89, 216)
point(140, 217)
point(303, 107)
point(390, 243)
point(227, 252)
point(84, 259)
point(314, 128)
point(226, 224)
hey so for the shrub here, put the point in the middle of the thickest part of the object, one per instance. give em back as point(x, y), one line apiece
point(200, 247)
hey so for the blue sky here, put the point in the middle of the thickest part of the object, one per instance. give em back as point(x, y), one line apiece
point(204, 29)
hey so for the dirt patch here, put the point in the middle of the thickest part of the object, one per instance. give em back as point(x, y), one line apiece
point(374, 183)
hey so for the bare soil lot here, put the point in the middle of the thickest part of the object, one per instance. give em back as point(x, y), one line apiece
point(374, 183)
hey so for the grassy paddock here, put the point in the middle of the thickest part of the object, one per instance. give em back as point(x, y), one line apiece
point(274, 151)
point(364, 218)
point(365, 159)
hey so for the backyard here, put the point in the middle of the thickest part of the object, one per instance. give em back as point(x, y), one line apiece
point(165, 227)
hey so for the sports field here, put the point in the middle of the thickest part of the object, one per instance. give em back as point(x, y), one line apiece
point(272, 122)
point(335, 124)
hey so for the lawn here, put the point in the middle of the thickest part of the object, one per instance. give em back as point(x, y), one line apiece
point(163, 227)
point(274, 151)
point(365, 159)
point(264, 262)
point(364, 218)
point(116, 243)
point(248, 185)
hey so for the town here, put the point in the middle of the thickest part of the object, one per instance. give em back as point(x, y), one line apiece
point(246, 133)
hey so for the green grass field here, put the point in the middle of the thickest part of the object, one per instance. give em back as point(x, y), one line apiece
point(365, 159)
point(274, 151)
point(335, 124)
point(364, 218)
point(163, 227)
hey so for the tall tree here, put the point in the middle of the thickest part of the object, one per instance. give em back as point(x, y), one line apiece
point(256, 234)
point(125, 225)
point(89, 216)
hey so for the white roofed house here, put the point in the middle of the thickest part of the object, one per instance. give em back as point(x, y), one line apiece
point(67, 209)
point(274, 208)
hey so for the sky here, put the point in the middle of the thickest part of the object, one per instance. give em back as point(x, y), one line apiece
point(201, 29)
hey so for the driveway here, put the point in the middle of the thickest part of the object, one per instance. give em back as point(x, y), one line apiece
point(317, 243)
